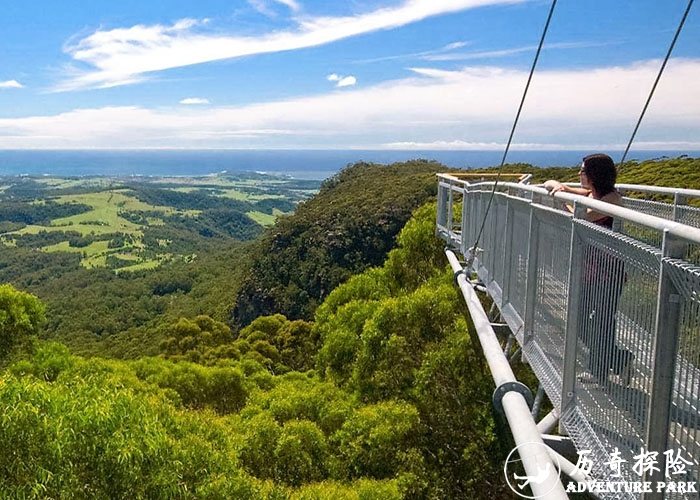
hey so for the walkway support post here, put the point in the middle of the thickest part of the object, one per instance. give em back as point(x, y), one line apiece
point(665, 347)
point(525, 433)
point(568, 393)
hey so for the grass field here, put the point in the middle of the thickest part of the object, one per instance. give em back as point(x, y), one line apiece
point(112, 206)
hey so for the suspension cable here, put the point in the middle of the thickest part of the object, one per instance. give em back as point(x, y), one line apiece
point(512, 133)
point(658, 77)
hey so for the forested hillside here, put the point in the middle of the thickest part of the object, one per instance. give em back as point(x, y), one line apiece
point(349, 226)
point(381, 410)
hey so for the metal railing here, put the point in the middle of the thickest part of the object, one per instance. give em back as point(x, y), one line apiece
point(608, 319)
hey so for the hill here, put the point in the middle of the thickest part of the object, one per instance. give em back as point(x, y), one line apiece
point(130, 224)
point(349, 226)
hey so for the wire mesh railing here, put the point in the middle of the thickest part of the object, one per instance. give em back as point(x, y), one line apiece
point(609, 320)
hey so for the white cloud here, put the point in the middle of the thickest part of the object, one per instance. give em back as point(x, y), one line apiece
point(11, 84)
point(471, 108)
point(347, 81)
point(342, 81)
point(194, 100)
point(127, 55)
point(454, 45)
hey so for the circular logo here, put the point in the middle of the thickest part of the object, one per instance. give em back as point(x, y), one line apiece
point(538, 453)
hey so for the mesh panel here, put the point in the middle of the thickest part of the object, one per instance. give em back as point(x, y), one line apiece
point(655, 208)
point(498, 243)
point(549, 323)
point(586, 437)
point(684, 432)
point(517, 289)
point(688, 215)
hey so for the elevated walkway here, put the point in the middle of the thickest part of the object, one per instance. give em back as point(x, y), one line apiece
point(608, 320)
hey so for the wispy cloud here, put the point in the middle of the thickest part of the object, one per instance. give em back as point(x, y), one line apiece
point(294, 6)
point(264, 7)
point(426, 54)
point(471, 108)
point(464, 56)
point(11, 84)
point(128, 55)
point(194, 100)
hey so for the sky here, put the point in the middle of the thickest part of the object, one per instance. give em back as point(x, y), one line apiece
point(356, 74)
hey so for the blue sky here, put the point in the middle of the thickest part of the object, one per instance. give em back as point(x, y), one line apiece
point(357, 74)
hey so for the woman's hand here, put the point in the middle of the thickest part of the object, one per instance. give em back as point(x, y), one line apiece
point(554, 186)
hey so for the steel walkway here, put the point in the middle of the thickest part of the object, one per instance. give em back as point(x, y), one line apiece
point(608, 320)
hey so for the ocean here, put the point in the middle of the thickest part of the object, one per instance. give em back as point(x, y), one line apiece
point(300, 164)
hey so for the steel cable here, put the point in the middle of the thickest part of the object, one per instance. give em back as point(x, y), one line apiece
point(512, 133)
point(658, 77)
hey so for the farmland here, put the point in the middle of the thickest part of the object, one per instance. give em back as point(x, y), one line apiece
point(136, 223)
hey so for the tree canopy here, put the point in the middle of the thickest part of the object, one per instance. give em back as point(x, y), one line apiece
point(349, 226)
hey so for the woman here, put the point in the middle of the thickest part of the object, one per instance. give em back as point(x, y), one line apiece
point(603, 273)
point(598, 175)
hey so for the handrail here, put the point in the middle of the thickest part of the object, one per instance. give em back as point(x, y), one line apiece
point(691, 193)
point(652, 222)
point(521, 178)
point(637, 188)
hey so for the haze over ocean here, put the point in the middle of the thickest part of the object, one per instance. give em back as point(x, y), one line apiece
point(301, 164)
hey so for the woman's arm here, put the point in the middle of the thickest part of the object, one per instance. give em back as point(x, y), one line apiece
point(555, 186)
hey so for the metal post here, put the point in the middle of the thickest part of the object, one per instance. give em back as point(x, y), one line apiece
point(509, 345)
point(678, 199)
point(531, 283)
point(538, 401)
point(568, 389)
point(508, 253)
point(466, 221)
point(665, 347)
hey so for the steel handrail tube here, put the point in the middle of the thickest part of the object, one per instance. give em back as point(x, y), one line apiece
point(523, 426)
point(691, 234)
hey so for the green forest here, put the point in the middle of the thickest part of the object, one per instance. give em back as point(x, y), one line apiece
point(165, 339)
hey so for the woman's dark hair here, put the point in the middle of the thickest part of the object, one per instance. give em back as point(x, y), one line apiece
point(601, 173)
